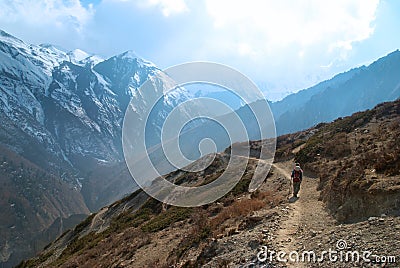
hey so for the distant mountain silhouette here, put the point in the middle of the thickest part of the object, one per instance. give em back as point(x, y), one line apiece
point(356, 90)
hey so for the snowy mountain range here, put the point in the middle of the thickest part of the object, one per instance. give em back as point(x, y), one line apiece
point(70, 103)
point(62, 113)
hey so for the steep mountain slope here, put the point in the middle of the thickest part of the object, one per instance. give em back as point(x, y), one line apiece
point(35, 207)
point(62, 106)
point(301, 98)
point(63, 112)
point(73, 106)
point(356, 90)
point(138, 231)
point(356, 159)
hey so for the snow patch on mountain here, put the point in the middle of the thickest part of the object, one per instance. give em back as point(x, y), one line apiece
point(91, 60)
point(77, 55)
point(130, 55)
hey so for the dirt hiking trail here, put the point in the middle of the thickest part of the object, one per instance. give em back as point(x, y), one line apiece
point(305, 216)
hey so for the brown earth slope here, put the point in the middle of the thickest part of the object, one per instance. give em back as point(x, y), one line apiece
point(141, 232)
point(347, 202)
point(357, 159)
point(35, 207)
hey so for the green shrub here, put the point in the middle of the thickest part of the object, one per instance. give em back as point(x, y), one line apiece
point(166, 218)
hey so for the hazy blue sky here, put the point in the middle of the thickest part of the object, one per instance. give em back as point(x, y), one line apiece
point(283, 45)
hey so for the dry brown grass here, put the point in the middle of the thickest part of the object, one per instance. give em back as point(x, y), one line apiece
point(358, 161)
point(238, 209)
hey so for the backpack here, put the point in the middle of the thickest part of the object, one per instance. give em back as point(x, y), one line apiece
point(296, 175)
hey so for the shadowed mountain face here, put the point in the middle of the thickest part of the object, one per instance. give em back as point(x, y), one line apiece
point(356, 90)
point(35, 207)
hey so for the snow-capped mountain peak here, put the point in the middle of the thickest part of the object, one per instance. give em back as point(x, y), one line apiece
point(131, 56)
point(77, 55)
point(71, 103)
point(92, 60)
point(8, 38)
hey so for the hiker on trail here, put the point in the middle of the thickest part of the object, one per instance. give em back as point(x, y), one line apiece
point(297, 177)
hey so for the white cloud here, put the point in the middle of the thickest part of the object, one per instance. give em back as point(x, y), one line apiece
point(54, 13)
point(291, 44)
point(168, 7)
point(270, 25)
point(59, 22)
point(287, 44)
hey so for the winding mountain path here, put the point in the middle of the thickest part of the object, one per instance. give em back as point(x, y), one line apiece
point(306, 216)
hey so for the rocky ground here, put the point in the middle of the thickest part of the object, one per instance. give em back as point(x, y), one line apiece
point(303, 225)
